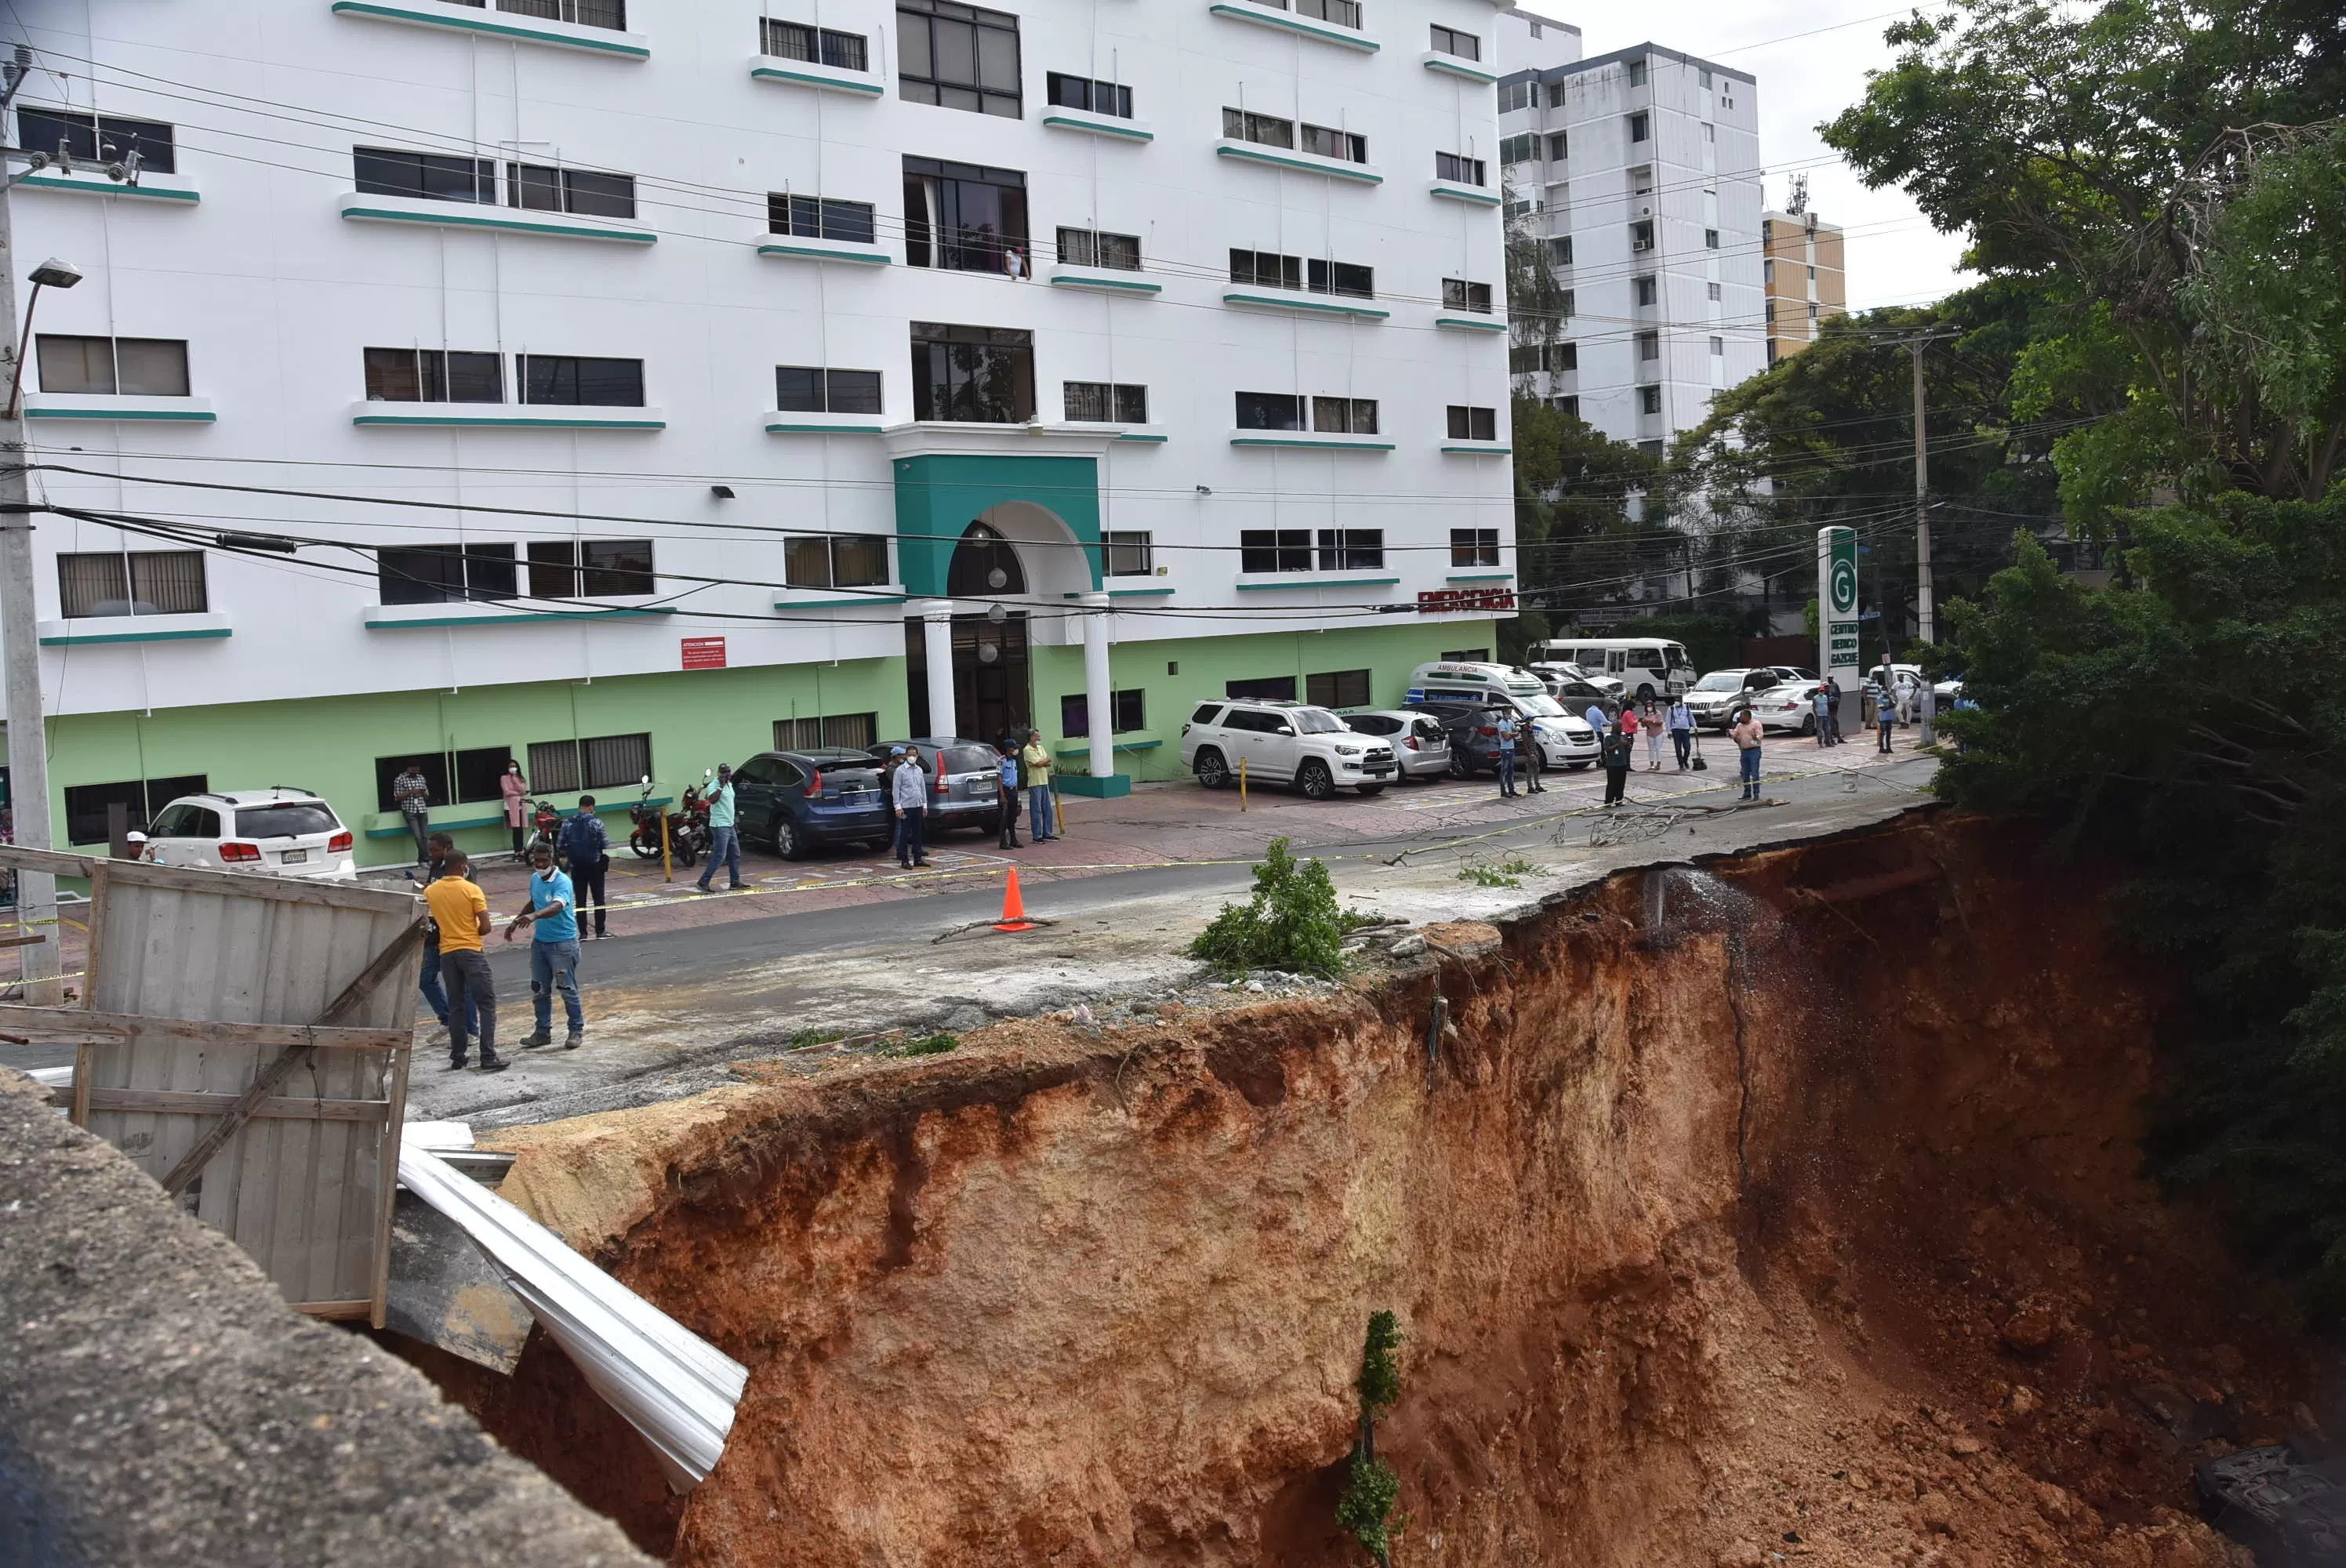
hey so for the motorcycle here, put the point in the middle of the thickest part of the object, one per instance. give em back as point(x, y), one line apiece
point(546, 825)
point(644, 837)
point(688, 831)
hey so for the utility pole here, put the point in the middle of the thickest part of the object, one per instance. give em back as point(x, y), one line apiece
point(1926, 620)
point(20, 645)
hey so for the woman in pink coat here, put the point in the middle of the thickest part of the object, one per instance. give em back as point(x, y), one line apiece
point(517, 793)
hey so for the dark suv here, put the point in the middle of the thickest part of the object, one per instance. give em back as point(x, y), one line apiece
point(797, 800)
point(971, 796)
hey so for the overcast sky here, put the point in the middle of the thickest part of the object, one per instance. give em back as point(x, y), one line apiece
point(1895, 257)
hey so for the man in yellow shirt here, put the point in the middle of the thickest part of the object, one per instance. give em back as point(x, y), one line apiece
point(460, 912)
point(1035, 761)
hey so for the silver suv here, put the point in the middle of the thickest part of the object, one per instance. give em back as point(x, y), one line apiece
point(1282, 742)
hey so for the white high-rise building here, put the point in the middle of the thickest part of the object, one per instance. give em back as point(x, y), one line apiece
point(1639, 172)
point(627, 386)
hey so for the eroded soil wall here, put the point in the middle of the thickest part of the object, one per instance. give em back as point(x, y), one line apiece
point(1807, 1223)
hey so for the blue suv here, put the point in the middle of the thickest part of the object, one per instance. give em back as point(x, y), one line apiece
point(797, 800)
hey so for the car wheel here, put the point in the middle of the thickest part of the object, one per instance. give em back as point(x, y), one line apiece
point(1645, 691)
point(1807, 724)
point(790, 840)
point(1314, 780)
point(1372, 789)
point(1459, 767)
point(1212, 771)
point(1576, 767)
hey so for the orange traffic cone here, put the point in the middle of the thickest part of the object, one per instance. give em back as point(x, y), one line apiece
point(1013, 908)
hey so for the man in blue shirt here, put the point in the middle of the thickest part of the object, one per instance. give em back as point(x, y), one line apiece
point(585, 844)
point(1597, 721)
point(1006, 762)
point(1506, 728)
point(724, 843)
point(553, 952)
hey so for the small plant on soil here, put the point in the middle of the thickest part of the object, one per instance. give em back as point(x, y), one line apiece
point(1501, 874)
point(926, 1045)
point(1372, 1488)
point(1293, 921)
point(806, 1037)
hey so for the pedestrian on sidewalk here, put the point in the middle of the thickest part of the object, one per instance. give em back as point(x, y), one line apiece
point(1832, 708)
point(1597, 719)
point(553, 915)
point(724, 842)
point(1905, 698)
point(1885, 714)
point(908, 787)
point(1619, 753)
point(460, 910)
point(1747, 735)
point(1820, 710)
point(1649, 720)
point(436, 850)
point(1506, 728)
point(1681, 728)
point(1534, 760)
point(515, 790)
point(587, 845)
point(1006, 811)
point(1035, 762)
point(412, 792)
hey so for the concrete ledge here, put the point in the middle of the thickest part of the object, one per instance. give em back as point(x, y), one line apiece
point(1109, 788)
point(160, 1405)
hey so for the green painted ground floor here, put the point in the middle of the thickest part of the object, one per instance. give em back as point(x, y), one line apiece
point(601, 736)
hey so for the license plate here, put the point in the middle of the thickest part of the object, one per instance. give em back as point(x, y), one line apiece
point(861, 797)
point(293, 858)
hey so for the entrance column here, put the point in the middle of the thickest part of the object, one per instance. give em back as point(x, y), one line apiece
point(1097, 701)
point(936, 643)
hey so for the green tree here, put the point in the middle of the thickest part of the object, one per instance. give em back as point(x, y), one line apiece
point(1371, 1487)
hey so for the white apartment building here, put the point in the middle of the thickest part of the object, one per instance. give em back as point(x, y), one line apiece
point(626, 386)
point(1639, 172)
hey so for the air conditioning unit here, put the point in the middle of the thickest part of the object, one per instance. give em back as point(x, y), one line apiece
point(1638, 245)
point(1645, 210)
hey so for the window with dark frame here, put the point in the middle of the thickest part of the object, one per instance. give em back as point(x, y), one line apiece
point(445, 573)
point(1127, 712)
point(1344, 12)
point(1645, 290)
point(476, 774)
point(1269, 410)
point(975, 375)
point(1327, 141)
point(1266, 270)
point(1649, 346)
point(1111, 98)
point(1344, 415)
point(1568, 406)
point(1474, 547)
point(1268, 130)
point(434, 375)
point(591, 568)
point(581, 192)
point(816, 389)
point(1337, 689)
point(1351, 549)
point(92, 584)
point(1710, 238)
point(598, 762)
point(1458, 169)
point(835, 561)
point(820, 217)
point(1345, 278)
point(1471, 423)
point(578, 381)
point(1641, 234)
point(1095, 248)
point(434, 765)
point(1513, 96)
point(1261, 688)
point(87, 819)
point(1458, 294)
point(1650, 399)
point(1127, 552)
point(424, 176)
point(1105, 402)
point(958, 57)
point(1521, 149)
point(816, 46)
point(1274, 550)
point(963, 217)
point(1559, 145)
point(1640, 126)
point(97, 138)
point(1451, 41)
point(123, 367)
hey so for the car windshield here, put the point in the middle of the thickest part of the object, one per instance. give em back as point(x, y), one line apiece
point(1721, 680)
point(1540, 706)
point(287, 821)
point(1315, 721)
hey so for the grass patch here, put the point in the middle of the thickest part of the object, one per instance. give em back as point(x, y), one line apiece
point(926, 1045)
point(1499, 873)
point(807, 1037)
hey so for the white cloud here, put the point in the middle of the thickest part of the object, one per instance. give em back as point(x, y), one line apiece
point(1894, 255)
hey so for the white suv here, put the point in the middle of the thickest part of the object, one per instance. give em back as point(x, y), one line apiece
point(1283, 742)
point(282, 831)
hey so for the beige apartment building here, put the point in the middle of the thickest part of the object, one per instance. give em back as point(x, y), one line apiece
point(1801, 276)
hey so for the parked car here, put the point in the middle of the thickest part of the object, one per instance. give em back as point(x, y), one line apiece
point(796, 800)
point(1421, 745)
point(1787, 706)
point(1715, 697)
point(965, 781)
point(1565, 740)
point(281, 830)
point(1282, 742)
point(1575, 693)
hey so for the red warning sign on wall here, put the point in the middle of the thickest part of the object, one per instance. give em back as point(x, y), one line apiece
point(704, 653)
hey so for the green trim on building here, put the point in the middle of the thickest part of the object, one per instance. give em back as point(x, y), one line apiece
point(1450, 65)
point(1465, 193)
point(111, 188)
point(832, 84)
point(1333, 169)
point(1113, 285)
point(815, 250)
point(1480, 577)
point(184, 634)
point(1305, 439)
point(1261, 17)
point(1128, 133)
point(1317, 306)
point(938, 494)
point(496, 421)
point(1480, 450)
point(461, 23)
point(1463, 324)
point(1154, 438)
point(169, 415)
point(631, 612)
point(463, 219)
point(778, 429)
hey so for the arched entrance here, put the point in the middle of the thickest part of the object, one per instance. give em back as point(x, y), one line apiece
point(991, 696)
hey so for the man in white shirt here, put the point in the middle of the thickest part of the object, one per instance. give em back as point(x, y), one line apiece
point(908, 787)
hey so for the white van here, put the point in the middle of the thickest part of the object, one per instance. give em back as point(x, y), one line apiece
point(1646, 667)
point(1565, 739)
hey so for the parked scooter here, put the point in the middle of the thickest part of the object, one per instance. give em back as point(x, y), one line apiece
point(644, 838)
point(688, 831)
point(546, 823)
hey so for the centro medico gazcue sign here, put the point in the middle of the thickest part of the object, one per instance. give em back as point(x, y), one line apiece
point(1837, 605)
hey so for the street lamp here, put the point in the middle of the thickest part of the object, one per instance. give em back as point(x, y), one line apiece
point(52, 273)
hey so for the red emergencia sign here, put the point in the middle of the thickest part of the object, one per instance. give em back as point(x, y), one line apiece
point(704, 653)
point(1446, 600)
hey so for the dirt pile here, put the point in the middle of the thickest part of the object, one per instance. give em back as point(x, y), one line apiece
point(1800, 1222)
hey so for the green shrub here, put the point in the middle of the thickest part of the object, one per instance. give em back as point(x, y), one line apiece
point(1367, 1503)
point(1291, 922)
point(927, 1045)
